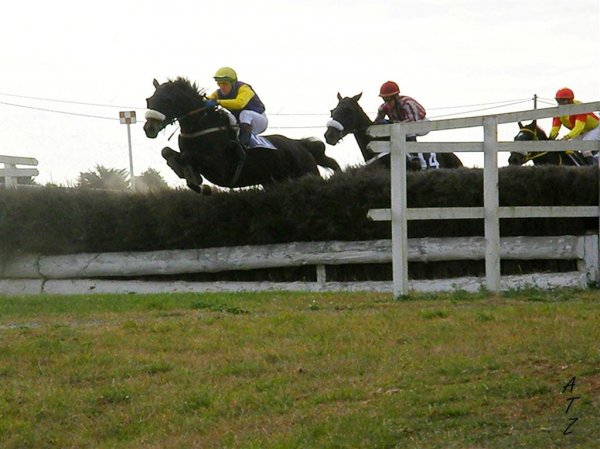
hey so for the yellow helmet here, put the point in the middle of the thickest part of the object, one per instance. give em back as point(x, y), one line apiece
point(226, 74)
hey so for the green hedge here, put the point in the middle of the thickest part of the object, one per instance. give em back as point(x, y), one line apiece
point(54, 220)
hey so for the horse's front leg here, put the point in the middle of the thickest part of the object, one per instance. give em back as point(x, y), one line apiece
point(173, 159)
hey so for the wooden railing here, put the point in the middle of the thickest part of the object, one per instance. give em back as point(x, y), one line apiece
point(11, 172)
point(491, 213)
point(125, 272)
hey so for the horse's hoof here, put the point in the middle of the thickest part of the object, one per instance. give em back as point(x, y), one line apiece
point(192, 180)
point(167, 153)
point(195, 187)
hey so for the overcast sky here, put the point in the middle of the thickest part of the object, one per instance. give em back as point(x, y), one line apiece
point(296, 54)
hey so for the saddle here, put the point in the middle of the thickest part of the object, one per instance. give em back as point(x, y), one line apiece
point(260, 142)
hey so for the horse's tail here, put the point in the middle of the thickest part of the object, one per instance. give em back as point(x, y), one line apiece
point(317, 149)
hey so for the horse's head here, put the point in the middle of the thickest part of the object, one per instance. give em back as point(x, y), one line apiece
point(526, 133)
point(345, 119)
point(171, 101)
point(529, 132)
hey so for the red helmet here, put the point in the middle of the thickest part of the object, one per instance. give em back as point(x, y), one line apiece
point(565, 92)
point(388, 89)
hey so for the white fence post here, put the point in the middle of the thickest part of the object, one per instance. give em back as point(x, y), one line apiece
point(11, 172)
point(597, 254)
point(490, 204)
point(590, 263)
point(399, 207)
point(321, 274)
point(10, 181)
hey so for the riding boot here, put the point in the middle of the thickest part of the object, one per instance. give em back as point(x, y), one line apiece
point(243, 141)
point(245, 134)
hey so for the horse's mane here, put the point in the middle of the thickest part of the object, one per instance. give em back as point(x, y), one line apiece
point(189, 88)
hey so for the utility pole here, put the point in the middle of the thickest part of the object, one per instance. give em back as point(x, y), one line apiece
point(127, 118)
point(534, 101)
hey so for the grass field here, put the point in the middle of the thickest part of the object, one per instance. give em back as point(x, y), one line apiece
point(281, 370)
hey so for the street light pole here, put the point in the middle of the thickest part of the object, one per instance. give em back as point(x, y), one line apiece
point(127, 118)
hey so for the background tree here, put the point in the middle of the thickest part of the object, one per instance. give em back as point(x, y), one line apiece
point(104, 178)
point(150, 180)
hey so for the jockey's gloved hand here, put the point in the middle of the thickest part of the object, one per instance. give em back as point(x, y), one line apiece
point(210, 104)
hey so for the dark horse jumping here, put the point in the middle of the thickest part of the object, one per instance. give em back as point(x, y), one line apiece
point(207, 143)
point(534, 132)
point(349, 118)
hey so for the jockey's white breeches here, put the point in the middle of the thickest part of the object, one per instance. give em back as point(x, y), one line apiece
point(259, 122)
point(593, 134)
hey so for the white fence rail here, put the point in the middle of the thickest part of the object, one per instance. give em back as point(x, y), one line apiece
point(11, 172)
point(96, 273)
point(490, 212)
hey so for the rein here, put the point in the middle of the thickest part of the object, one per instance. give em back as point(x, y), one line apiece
point(203, 132)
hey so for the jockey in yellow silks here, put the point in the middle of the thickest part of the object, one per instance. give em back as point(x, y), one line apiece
point(240, 99)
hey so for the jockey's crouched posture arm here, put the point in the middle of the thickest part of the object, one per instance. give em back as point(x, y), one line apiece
point(402, 108)
point(240, 99)
point(582, 126)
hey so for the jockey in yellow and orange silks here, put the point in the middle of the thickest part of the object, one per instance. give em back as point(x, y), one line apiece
point(582, 126)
